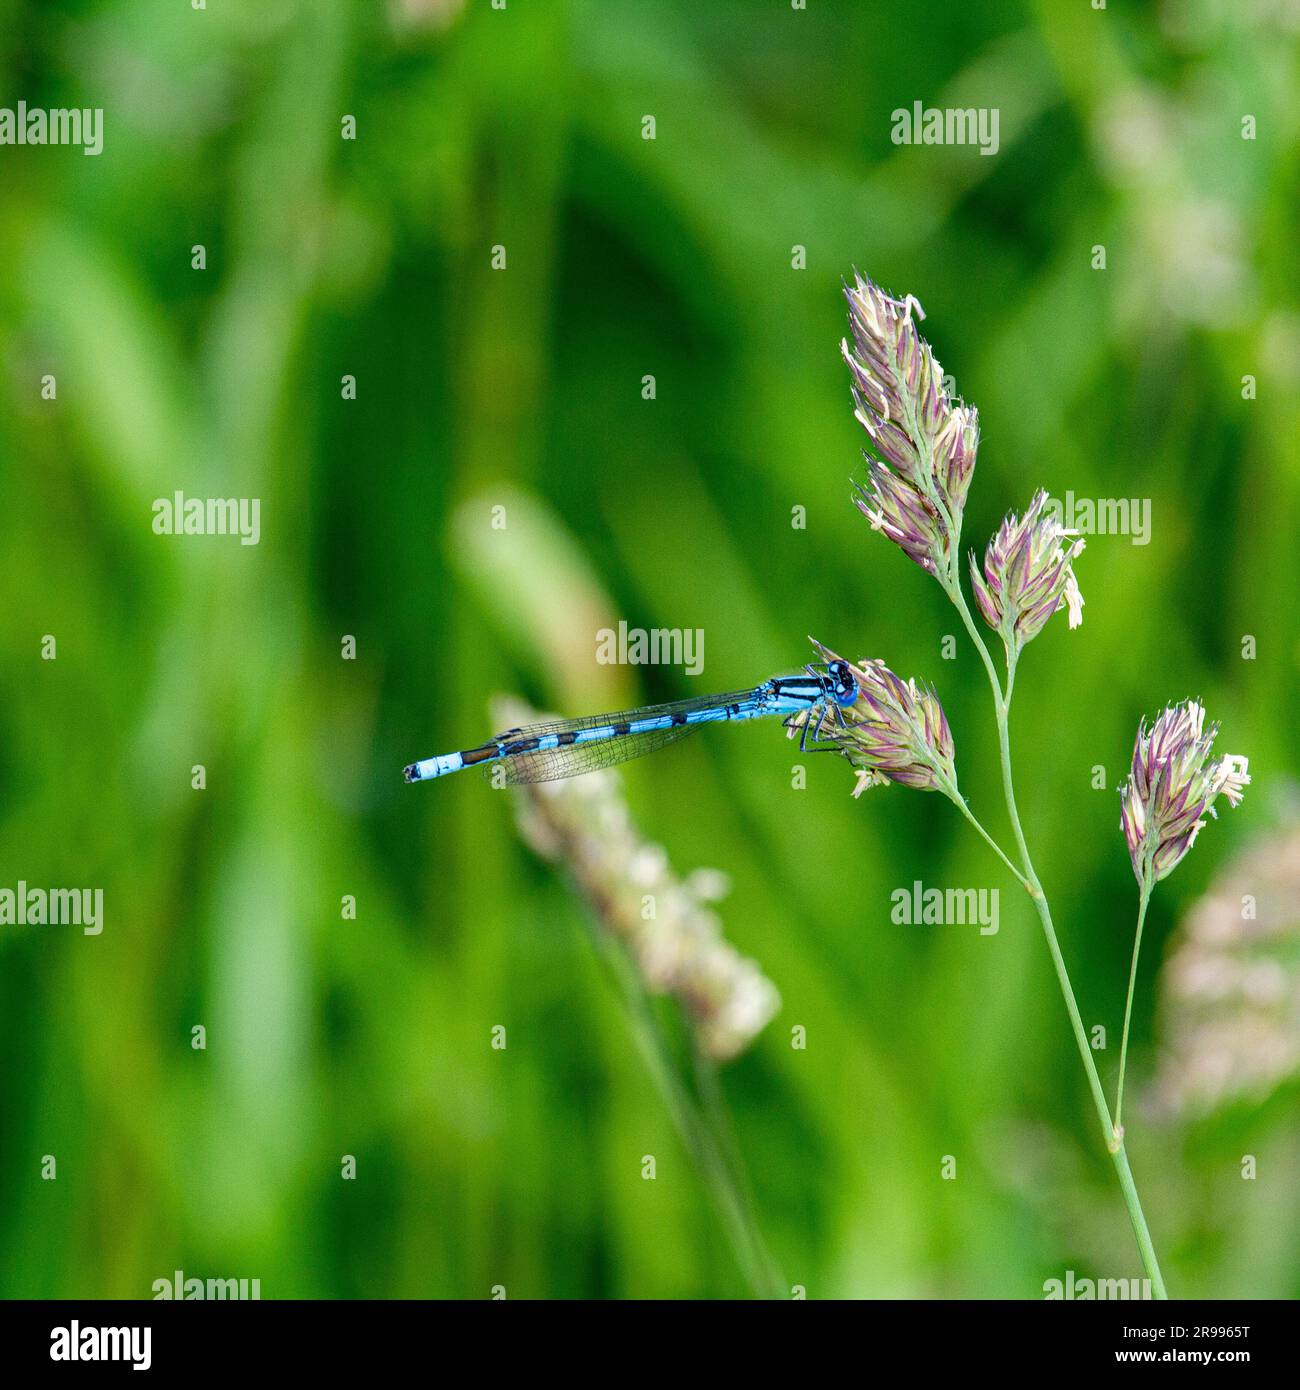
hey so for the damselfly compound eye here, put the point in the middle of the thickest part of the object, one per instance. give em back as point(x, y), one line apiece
point(846, 688)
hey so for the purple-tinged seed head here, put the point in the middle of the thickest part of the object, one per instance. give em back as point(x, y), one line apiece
point(1172, 786)
point(923, 443)
point(1028, 574)
point(896, 731)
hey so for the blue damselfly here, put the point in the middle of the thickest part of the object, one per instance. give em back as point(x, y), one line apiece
point(569, 747)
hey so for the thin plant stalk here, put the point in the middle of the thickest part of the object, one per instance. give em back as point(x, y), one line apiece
point(709, 1084)
point(960, 802)
point(734, 1213)
point(1112, 1137)
point(1144, 896)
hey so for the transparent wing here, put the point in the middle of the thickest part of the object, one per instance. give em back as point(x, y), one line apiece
point(571, 760)
point(596, 721)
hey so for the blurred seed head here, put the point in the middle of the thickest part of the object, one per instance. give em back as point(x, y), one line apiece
point(895, 732)
point(1028, 575)
point(923, 444)
point(424, 14)
point(584, 824)
point(1229, 991)
point(1172, 787)
point(1133, 133)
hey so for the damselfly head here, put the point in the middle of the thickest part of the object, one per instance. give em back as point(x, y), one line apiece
point(845, 688)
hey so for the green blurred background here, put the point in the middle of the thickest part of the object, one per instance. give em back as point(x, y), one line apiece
point(522, 388)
